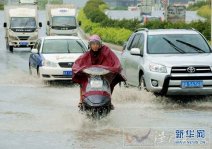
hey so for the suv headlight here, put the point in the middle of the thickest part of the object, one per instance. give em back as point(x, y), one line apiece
point(49, 63)
point(157, 68)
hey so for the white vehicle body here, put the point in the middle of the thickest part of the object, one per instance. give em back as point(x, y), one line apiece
point(54, 66)
point(21, 25)
point(61, 20)
point(169, 62)
point(28, 1)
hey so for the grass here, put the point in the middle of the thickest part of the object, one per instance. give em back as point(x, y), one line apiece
point(205, 11)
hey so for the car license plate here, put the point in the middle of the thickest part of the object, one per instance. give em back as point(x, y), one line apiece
point(23, 43)
point(67, 73)
point(96, 83)
point(191, 84)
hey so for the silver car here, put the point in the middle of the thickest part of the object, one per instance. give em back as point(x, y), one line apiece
point(169, 62)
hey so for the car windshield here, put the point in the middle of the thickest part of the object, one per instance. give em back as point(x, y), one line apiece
point(23, 22)
point(177, 44)
point(54, 46)
point(65, 21)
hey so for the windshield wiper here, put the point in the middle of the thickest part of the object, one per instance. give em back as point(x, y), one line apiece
point(68, 47)
point(174, 46)
point(80, 44)
point(192, 46)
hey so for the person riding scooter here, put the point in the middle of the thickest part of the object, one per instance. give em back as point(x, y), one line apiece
point(98, 54)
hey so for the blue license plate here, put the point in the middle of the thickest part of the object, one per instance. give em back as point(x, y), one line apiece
point(23, 43)
point(191, 84)
point(67, 73)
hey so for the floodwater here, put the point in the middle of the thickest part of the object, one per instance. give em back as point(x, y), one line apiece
point(37, 115)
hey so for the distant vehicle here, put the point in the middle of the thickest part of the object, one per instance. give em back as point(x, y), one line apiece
point(145, 7)
point(52, 57)
point(28, 1)
point(146, 18)
point(176, 14)
point(61, 20)
point(168, 62)
point(21, 25)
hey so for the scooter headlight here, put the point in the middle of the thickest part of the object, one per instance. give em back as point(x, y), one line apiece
point(96, 83)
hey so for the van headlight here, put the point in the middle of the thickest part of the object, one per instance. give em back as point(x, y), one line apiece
point(48, 63)
point(157, 68)
point(13, 37)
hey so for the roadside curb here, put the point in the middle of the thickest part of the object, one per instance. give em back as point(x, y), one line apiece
point(112, 46)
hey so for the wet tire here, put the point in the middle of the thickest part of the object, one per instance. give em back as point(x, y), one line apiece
point(38, 72)
point(142, 84)
point(30, 69)
point(11, 48)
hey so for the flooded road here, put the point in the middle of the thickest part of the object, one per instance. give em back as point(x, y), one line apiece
point(36, 115)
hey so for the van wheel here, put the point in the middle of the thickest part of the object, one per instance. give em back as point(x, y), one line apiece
point(142, 84)
point(11, 48)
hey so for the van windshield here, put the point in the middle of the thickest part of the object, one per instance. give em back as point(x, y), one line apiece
point(64, 21)
point(23, 22)
point(177, 44)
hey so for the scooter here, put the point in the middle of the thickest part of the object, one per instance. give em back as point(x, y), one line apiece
point(97, 95)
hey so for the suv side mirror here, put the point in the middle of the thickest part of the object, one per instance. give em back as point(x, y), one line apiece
point(48, 23)
point(40, 24)
point(135, 51)
point(35, 51)
point(5, 24)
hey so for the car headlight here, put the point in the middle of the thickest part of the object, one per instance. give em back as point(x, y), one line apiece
point(157, 68)
point(49, 63)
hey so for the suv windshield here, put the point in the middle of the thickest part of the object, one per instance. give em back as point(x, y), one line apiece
point(177, 44)
point(60, 46)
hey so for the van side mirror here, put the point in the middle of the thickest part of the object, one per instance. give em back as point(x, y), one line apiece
point(5, 24)
point(48, 23)
point(135, 51)
point(40, 24)
point(80, 23)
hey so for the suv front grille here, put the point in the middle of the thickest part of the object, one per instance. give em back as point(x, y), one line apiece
point(191, 69)
point(23, 37)
point(66, 64)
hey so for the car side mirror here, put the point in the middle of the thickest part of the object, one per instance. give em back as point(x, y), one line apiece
point(35, 51)
point(40, 24)
point(135, 51)
point(80, 23)
point(48, 23)
point(5, 24)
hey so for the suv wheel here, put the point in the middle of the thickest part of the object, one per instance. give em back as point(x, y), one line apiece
point(142, 84)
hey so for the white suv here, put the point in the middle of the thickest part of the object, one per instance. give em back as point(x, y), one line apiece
point(168, 61)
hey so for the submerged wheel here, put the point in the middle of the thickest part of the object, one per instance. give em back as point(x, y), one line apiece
point(38, 72)
point(11, 48)
point(142, 84)
point(30, 69)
